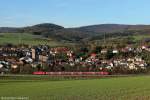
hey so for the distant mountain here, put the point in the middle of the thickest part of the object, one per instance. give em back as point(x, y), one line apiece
point(112, 28)
point(9, 30)
point(42, 28)
point(80, 33)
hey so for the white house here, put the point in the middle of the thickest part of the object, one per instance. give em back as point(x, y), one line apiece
point(115, 51)
point(132, 66)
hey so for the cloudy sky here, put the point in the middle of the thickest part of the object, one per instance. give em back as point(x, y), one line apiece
point(73, 13)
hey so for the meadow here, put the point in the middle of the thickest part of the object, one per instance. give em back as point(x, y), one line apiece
point(141, 37)
point(120, 88)
point(30, 39)
point(26, 38)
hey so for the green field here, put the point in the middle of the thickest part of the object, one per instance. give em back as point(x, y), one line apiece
point(26, 38)
point(141, 37)
point(123, 88)
point(30, 39)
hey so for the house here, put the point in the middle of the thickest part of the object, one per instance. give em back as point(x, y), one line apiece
point(124, 50)
point(132, 66)
point(144, 47)
point(70, 53)
point(81, 58)
point(77, 60)
point(109, 65)
point(14, 66)
point(26, 59)
point(115, 51)
point(138, 50)
point(129, 48)
point(43, 58)
point(93, 55)
point(60, 49)
point(1, 65)
point(33, 53)
point(71, 59)
point(138, 58)
point(71, 64)
point(104, 51)
point(141, 64)
point(130, 60)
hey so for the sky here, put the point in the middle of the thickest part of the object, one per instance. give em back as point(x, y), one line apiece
point(73, 13)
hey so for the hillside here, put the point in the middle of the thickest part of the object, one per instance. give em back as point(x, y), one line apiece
point(111, 28)
point(42, 28)
point(39, 28)
point(80, 33)
point(9, 30)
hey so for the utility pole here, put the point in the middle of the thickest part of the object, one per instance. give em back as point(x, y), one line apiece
point(19, 40)
point(104, 38)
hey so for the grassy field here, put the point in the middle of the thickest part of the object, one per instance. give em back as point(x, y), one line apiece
point(123, 88)
point(141, 37)
point(25, 38)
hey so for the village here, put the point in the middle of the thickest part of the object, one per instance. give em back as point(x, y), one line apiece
point(27, 59)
